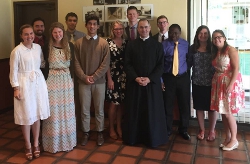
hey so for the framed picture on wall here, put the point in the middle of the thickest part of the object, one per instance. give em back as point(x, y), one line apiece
point(134, 1)
point(114, 12)
point(98, 2)
point(145, 11)
point(93, 10)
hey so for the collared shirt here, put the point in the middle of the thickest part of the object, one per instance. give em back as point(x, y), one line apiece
point(94, 37)
point(144, 38)
point(135, 26)
point(76, 34)
point(160, 36)
point(168, 47)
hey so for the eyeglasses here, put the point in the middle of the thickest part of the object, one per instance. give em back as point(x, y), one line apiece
point(164, 22)
point(218, 37)
point(118, 29)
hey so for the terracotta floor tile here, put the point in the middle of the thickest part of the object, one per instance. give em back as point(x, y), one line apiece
point(91, 145)
point(235, 154)
point(155, 154)
point(208, 151)
point(12, 134)
point(193, 131)
point(17, 158)
point(206, 160)
point(180, 157)
point(233, 162)
point(99, 158)
point(146, 161)
point(247, 137)
point(131, 150)
point(242, 145)
point(65, 161)
point(16, 145)
point(187, 148)
point(4, 141)
point(77, 154)
point(214, 143)
point(9, 125)
point(192, 140)
point(109, 147)
point(43, 159)
point(59, 154)
point(4, 154)
point(2, 131)
point(124, 160)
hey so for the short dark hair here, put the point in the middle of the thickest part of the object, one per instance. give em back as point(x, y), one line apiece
point(71, 14)
point(143, 19)
point(175, 26)
point(161, 16)
point(37, 19)
point(132, 8)
point(92, 17)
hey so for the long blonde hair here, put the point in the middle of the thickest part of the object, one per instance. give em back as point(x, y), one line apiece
point(112, 36)
point(64, 42)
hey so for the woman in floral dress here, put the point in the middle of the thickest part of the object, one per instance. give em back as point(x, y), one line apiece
point(59, 131)
point(227, 96)
point(116, 77)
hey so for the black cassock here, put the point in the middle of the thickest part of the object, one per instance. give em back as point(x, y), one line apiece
point(144, 119)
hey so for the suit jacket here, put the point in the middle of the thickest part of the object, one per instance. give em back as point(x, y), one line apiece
point(156, 36)
point(137, 34)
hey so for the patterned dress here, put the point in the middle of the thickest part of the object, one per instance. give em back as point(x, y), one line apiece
point(59, 131)
point(117, 72)
point(221, 101)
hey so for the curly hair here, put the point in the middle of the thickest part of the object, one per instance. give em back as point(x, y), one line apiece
point(64, 42)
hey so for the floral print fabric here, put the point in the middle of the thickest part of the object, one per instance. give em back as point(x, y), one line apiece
point(221, 101)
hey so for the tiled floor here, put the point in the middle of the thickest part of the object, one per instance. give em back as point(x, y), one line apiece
point(175, 151)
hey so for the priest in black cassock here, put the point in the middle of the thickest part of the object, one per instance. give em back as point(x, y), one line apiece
point(144, 119)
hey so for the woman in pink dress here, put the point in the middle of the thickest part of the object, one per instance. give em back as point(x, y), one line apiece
point(227, 95)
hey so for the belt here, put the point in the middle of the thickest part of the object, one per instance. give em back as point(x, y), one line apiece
point(179, 75)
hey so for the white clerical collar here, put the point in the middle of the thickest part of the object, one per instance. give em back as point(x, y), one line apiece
point(94, 37)
point(144, 38)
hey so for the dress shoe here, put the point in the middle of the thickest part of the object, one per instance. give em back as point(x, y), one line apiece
point(85, 139)
point(185, 135)
point(100, 139)
point(235, 146)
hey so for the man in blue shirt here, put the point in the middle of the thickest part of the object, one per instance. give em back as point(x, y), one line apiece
point(176, 85)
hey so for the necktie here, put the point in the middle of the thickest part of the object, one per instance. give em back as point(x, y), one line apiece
point(162, 38)
point(132, 33)
point(175, 60)
point(72, 38)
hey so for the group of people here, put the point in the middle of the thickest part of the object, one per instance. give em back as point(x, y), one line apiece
point(140, 75)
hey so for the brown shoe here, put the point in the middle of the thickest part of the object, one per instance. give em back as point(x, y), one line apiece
point(85, 139)
point(36, 152)
point(100, 139)
point(28, 154)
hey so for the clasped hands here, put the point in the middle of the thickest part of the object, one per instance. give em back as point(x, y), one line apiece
point(89, 80)
point(143, 81)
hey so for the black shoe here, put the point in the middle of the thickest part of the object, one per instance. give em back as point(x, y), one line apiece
point(185, 135)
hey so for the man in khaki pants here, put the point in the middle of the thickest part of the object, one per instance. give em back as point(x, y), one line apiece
point(92, 60)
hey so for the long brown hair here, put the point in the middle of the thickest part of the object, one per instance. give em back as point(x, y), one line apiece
point(215, 49)
point(64, 42)
point(196, 40)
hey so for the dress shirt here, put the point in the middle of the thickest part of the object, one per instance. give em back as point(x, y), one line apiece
point(94, 37)
point(135, 28)
point(77, 35)
point(160, 36)
point(168, 47)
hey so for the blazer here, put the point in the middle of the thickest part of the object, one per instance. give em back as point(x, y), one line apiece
point(137, 34)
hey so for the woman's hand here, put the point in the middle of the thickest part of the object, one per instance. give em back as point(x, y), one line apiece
point(229, 88)
point(17, 94)
point(110, 84)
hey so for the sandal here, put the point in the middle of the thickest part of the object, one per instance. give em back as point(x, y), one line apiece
point(36, 152)
point(200, 136)
point(28, 154)
point(211, 136)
